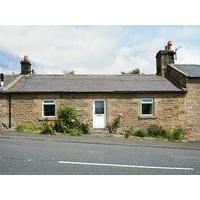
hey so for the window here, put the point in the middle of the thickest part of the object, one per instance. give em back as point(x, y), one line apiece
point(147, 106)
point(49, 108)
point(99, 107)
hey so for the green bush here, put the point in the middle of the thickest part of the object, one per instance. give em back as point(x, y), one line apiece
point(75, 132)
point(127, 134)
point(140, 133)
point(178, 134)
point(114, 125)
point(155, 130)
point(47, 128)
point(84, 128)
point(68, 116)
point(168, 134)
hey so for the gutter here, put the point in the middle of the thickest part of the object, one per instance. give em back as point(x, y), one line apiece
point(82, 92)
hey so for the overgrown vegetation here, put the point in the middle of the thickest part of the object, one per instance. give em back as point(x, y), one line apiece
point(114, 125)
point(68, 123)
point(157, 131)
point(29, 128)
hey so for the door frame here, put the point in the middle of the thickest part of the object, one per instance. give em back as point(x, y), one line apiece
point(93, 111)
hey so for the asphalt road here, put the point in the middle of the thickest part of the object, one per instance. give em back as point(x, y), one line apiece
point(26, 156)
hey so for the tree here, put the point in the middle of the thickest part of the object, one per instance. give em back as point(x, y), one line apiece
point(134, 71)
point(69, 72)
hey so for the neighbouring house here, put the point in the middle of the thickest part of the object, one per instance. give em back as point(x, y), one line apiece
point(170, 98)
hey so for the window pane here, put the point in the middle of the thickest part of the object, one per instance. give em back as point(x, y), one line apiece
point(49, 110)
point(99, 107)
point(49, 101)
point(147, 100)
point(147, 109)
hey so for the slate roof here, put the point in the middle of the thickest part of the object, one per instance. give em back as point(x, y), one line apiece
point(8, 79)
point(189, 70)
point(93, 83)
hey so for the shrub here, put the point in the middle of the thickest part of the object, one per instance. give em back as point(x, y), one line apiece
point(168, 134)
point(140, 132)
point(114, 125)
point(131, 131)
point(68, 116)
point(58, 127)
point(173, 134)
point(127, 134)
point(47, 128)
point(19, 128)
point(68, 122)
point(155, 130)
point(178, 134)
point(75, 132)
point(85, 128)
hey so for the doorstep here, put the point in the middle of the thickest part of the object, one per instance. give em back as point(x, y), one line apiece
point(102, 131)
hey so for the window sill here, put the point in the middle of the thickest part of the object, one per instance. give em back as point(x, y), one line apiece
point(147, 117)
point(47, 118)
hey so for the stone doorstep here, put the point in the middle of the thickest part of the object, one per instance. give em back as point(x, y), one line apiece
point(99, 131)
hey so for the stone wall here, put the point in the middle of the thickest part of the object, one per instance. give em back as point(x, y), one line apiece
point(193, 107)
point(3, 110)
point(176, 77)
point(169, 108)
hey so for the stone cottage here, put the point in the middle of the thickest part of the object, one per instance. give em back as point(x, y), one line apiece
point(170, 98)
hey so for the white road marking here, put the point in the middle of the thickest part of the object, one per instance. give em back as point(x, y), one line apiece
point(124, 166)
point(29, 160)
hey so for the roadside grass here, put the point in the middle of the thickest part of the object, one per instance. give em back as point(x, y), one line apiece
point(157, 132)
point(36, 128)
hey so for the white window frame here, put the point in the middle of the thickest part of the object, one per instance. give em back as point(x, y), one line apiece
point(53, 103)
point(152, 102)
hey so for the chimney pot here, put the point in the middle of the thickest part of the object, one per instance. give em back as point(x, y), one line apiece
point(169, 46)
point(2, 80)
point(26, 58)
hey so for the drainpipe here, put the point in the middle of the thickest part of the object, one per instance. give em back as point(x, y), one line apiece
point(9, 112)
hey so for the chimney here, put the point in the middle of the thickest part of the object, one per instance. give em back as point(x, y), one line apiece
point(2, 80)
point(25, 66)
point(164, 58)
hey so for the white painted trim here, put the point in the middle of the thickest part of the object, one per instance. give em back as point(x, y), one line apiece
point(93, 111)
point(126, 166)
point(153, 107)
point(43, 116)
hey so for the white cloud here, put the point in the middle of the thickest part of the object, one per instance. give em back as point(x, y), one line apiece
point(91, 49)
point(61, 48)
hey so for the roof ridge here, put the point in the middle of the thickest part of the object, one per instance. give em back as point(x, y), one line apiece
point(186, 64)
point(123, 75)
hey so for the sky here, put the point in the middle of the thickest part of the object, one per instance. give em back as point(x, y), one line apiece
point(94, 49)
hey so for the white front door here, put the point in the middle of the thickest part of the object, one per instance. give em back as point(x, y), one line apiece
point(99, 113)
